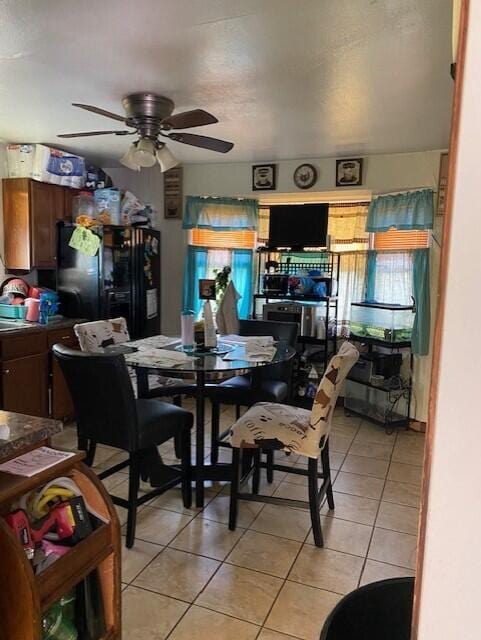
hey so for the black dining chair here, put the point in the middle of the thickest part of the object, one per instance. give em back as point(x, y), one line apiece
point(271, 383)
point(108, 413)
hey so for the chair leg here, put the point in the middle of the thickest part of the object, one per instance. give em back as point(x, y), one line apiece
point(237, 411)
point(214, 433)
point(256, 476)
point(269, 465)
point(134, 481)
point(186, 470)
point(177, 400)
point(314, 505)
point(326, 472)
point(178, 445)
point(234, 488)
point(91, 449)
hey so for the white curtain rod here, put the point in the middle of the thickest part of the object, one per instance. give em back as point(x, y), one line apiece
point(400, 191)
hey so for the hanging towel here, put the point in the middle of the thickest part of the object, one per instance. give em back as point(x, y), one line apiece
point(227, 316)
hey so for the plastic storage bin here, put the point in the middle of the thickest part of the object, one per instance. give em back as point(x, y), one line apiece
point(13, 311)
point(389, 323)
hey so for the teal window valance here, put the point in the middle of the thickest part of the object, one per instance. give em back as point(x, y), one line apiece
point(221, 214)
point(403, 211)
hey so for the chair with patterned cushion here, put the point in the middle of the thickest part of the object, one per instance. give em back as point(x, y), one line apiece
point(95, 336)
point(280, 427)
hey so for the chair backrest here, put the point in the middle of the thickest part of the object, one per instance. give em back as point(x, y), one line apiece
point(94, 336)
point(328, 390)
point(102, 394)
point(286, 331)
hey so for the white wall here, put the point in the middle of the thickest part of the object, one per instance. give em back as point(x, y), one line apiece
point(381, 173)
point(450, 598)
point(148, 186)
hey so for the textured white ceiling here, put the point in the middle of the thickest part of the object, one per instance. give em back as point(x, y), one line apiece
point(286, 78)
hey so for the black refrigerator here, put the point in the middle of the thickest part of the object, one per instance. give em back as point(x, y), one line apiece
point(122, 279)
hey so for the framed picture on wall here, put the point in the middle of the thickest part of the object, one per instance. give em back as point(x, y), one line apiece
point(173, 193)
point(206, 289)
point(349, 172)
point(264, 177)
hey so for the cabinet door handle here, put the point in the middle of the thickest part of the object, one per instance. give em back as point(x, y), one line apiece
point(65, 338)
point(6, 371)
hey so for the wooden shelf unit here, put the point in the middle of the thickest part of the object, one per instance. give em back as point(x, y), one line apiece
point(25, 596)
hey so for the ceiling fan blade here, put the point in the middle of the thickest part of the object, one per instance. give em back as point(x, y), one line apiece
point(187, 119)
point(101, 112)
point(93, 133)
point(204, 142)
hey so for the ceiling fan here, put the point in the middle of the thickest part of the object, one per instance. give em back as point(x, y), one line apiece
point(150, 117)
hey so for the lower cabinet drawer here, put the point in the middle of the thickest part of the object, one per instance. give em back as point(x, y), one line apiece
point(25, 385)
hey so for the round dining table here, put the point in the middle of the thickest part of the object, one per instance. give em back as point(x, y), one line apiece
point(199, 369)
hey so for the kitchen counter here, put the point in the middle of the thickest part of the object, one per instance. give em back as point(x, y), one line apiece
point(19, 432)
point(57, 322)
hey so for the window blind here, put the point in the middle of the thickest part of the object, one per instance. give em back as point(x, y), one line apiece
point(398, 240)
point(242, 239)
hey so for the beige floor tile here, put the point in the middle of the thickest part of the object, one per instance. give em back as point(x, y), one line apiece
point(241, 593)
point(353, 508)
point(372, 450)
point(283, 521)
point(369, 432)
point(301, 610)
point(339, 444)
point(344, 536)
point(207, 538)
point(410, 450)
point(158, 525)
point(374, 571)
point(336, 459)
point(292, 491)
point(266, 553)
point(172, 500)
point(66, 439)
point(106, 461)
point(327, 569)
point(400, 472)
point(357, 485)
point(148, 615)
point(398, 518)
point(204, 624)
point(347, 427)
point(178, 574)
point(294, 478)
point(113, 481)
point(218, 510)
point(267, 634)
point(365, 466)
point(136, 559)
point(402, 493)
point(394, 548)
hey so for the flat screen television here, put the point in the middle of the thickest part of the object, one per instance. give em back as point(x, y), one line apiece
point(298, 225)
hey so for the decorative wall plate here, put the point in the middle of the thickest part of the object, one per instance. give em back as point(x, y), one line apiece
point(305, 176)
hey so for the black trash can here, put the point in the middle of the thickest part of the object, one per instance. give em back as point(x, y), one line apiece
point(378, 611)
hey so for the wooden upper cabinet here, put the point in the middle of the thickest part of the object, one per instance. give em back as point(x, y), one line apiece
point(31, 210)
point(16, 223)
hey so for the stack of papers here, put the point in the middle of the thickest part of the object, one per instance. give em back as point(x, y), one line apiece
point(35, 461)
point(155, 342)
point(157, 358)
point(252, 353)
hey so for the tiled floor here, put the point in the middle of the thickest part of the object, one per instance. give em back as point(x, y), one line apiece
point(189, 578)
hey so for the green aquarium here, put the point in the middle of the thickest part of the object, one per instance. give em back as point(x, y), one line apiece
point(391, 323)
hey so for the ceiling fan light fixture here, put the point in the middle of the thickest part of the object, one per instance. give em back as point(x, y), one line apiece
point(144, 154)
point(128, 159)
point(166, 159)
